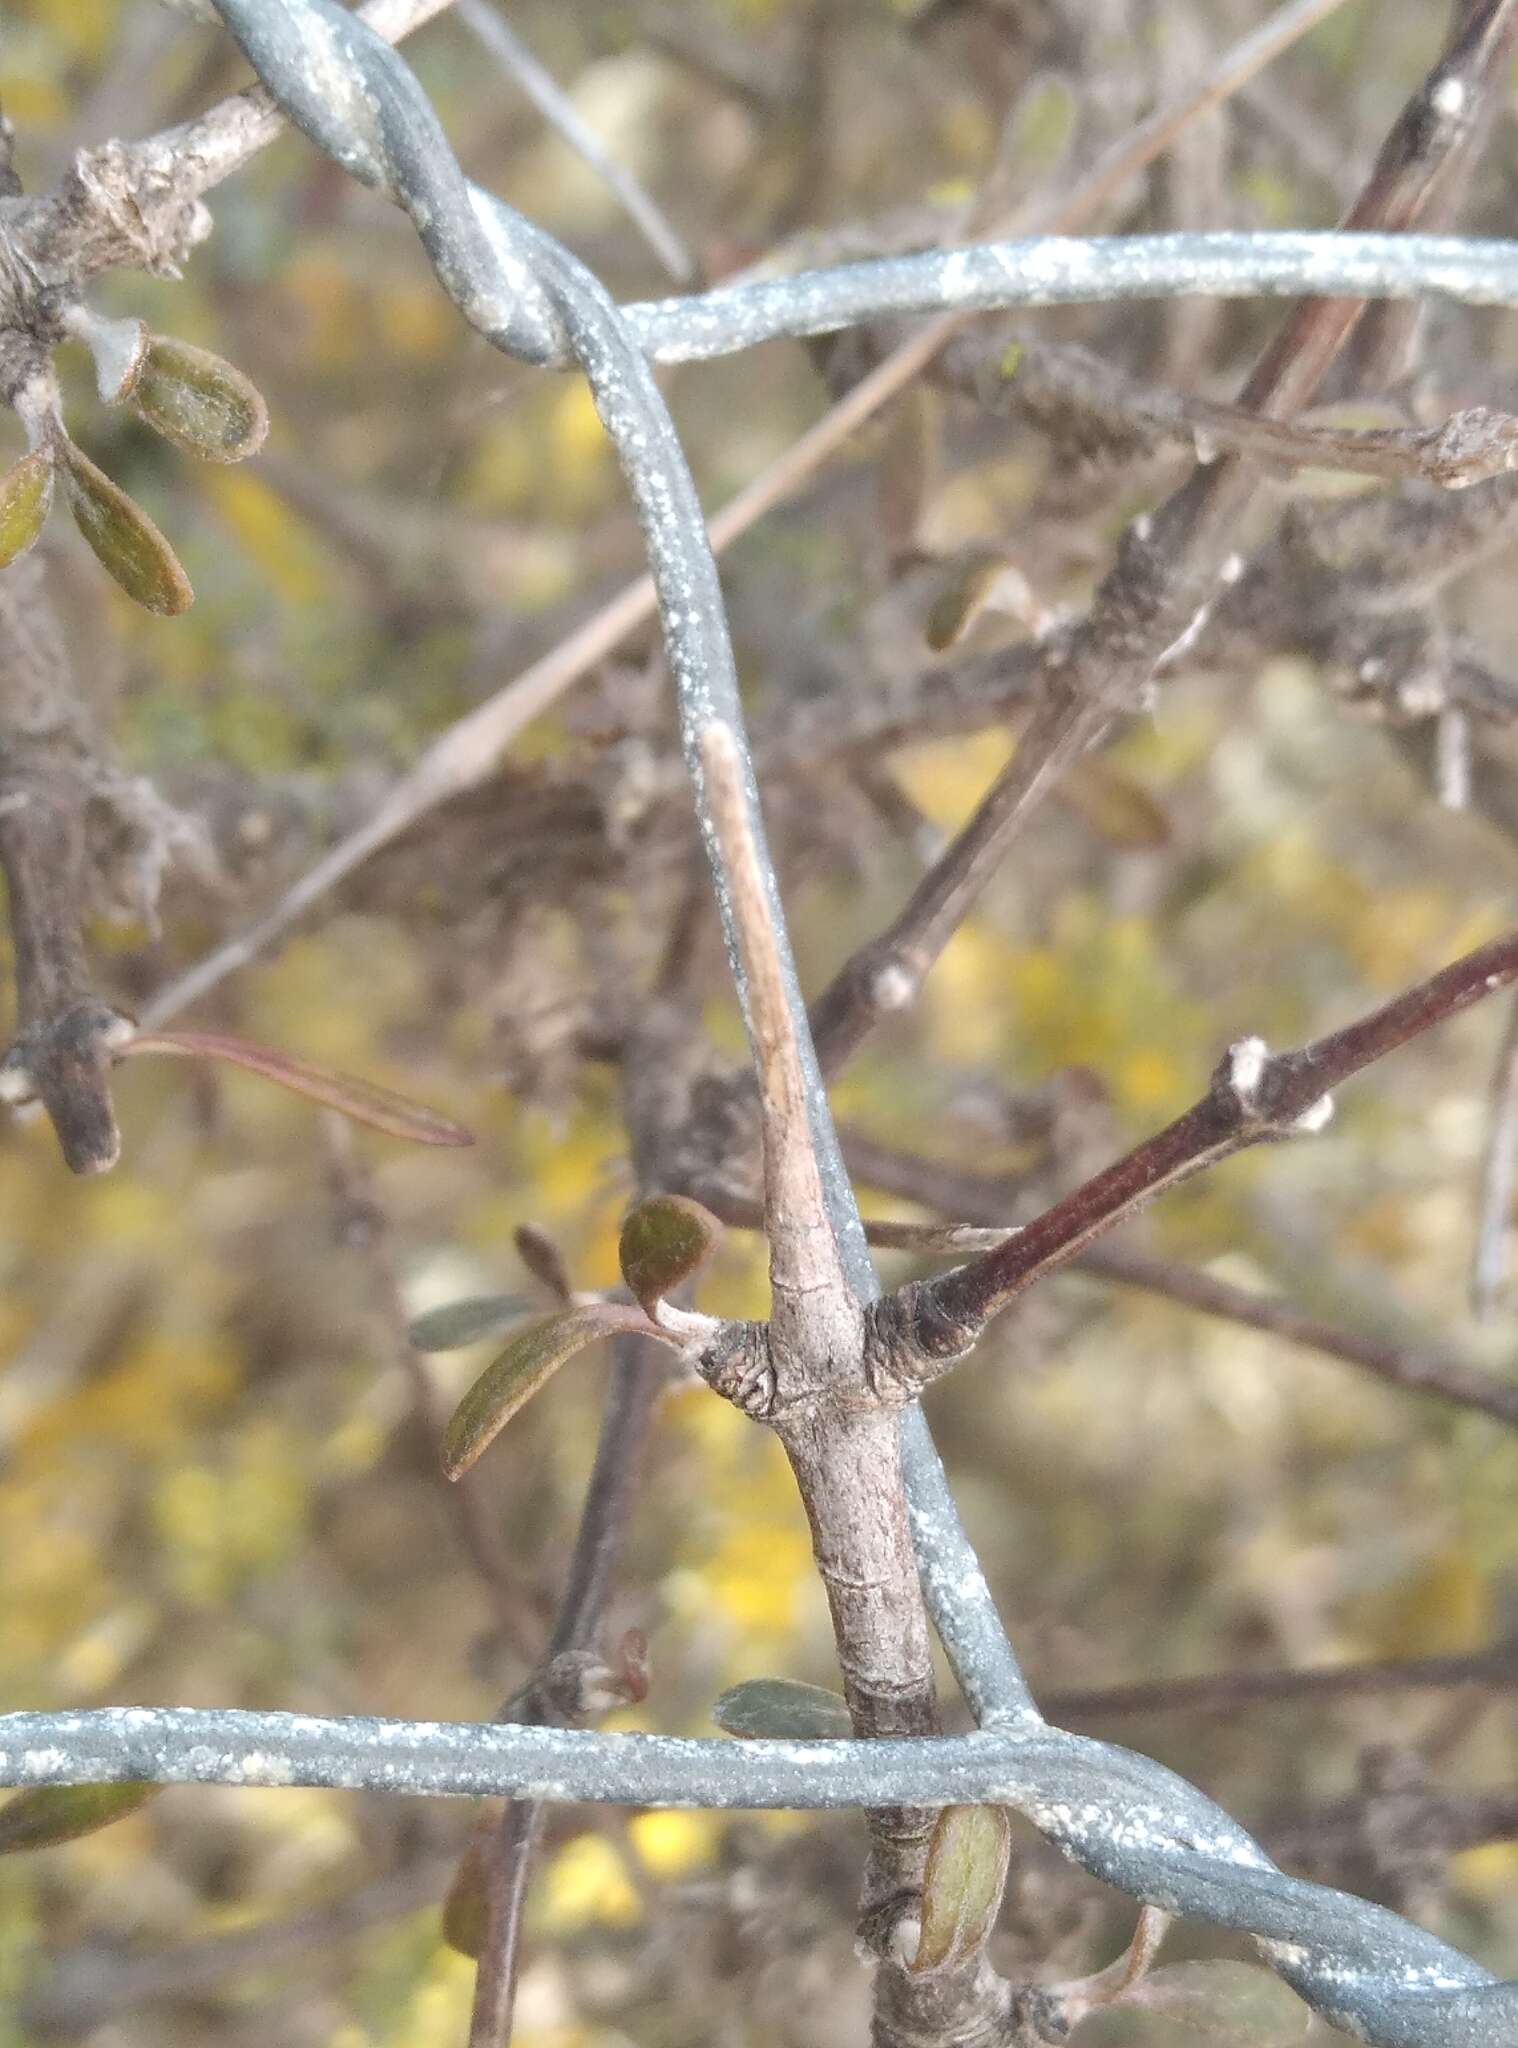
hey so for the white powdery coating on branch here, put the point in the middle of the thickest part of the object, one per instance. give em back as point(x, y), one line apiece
point(1247, 1061)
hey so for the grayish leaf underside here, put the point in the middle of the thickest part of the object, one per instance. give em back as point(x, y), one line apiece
point(1124, 1818)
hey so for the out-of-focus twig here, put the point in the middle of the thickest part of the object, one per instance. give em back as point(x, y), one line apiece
point(485, 23)
point(1489, 1266)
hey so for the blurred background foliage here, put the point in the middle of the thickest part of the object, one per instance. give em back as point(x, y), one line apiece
point(214, 1484)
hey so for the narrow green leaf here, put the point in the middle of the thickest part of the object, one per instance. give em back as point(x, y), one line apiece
point(46, 1814)
point(664, 1241)
point(26, 492)
point(784, 1708)
point(365, 1103)
point(198, 401)
point(529, 1361)
point(126, 542)
point(962, 1884)
point(1236, 2005)
point(458, 1323)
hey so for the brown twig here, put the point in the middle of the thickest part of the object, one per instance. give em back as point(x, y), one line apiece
point(509, 1850)
point(1489, 1266)
point(1224, 1692)
point(1255, 1097)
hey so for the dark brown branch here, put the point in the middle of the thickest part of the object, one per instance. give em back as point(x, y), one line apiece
point(1254, 1097)
point(1408, 1363)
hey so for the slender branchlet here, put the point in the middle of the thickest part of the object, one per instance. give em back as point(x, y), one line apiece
point(1255, 1097)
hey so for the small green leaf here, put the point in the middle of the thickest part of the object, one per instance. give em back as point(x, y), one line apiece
point(126, 542)
point(785, 1709)
point(664, 1241)
point(962, 1883)
point(362, 1101)
point(45, 1814)
point(458, 1323)
point(529, 1361)
point(198, 401)
point(26, 492)
point(1241, 2005)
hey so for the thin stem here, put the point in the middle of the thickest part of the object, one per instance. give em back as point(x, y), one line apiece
point(1225, 1692)
point(1254, 1097)
point(507, 1858)
point(1489, 1269)
point(511, 1847)
point(559, 110)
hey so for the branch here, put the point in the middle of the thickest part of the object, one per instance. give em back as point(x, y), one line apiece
point(1489, 1266)
point(559, 110)
point(1173, 563)
point(1224, 1692)
point(1255, 1096)
point(636, 1381)
point(138, 205)
point(1063, 386)
point(466, 754)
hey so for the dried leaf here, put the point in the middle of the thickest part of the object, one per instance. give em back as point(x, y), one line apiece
point(118, 347)
point(361, 1100)
point(26, 492)
point(978, 583)
point(45, 1814)
point(784, 1708)
point(955, 610)
point(458, 1323)
point(664, 1241)
point(1114, 805)
point(543, 1260)
point(126, 542)
point(962, 1883)
point(466, 1910)
point(1241, 2005)
point(198, 401)
point(903, 475)
point(529, 1361)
